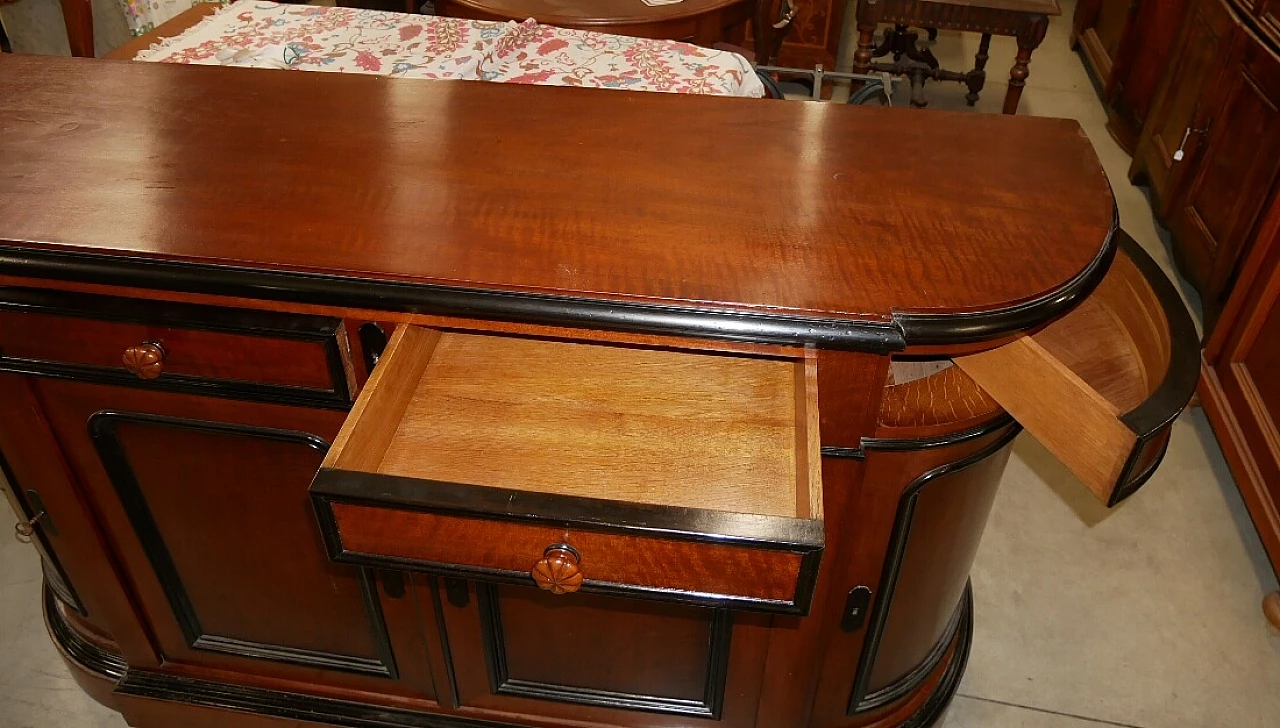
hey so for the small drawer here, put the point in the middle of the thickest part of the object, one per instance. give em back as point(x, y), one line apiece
point(652, 473)
point(1101, 387)
point(207, 349)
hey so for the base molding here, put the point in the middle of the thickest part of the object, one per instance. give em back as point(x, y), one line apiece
point(90, 660)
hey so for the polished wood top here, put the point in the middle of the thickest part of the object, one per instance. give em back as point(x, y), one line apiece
point(709, 204)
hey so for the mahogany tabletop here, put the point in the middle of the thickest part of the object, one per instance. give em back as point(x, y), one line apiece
point(771, 208)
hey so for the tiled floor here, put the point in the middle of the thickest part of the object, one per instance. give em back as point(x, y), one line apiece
point(1147, 616)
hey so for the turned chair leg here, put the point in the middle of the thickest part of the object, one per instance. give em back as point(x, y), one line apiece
point(1271, 608)
point(77, 15)
point(977, 78)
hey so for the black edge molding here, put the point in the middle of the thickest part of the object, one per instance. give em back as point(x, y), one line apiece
point(935, 706)
point(805, 537)
point(350, 714)
point(85, 653)
point(319, 330)
point(923, 443)
point(502, 682)
point(902, 330)
point(115, 461)
point(1151, 419)
point(929, 329)
point(861, 699)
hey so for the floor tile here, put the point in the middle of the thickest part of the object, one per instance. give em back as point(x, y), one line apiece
point(1148, 614)
point(967, 712)
point(36, 691)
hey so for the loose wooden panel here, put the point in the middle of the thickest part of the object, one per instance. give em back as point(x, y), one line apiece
point(425, 187)
point(1079, 383)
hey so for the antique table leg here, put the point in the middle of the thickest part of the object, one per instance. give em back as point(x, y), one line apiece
point(977, 78)
point(1029, 39)
point(862, 56)
point(77, 15)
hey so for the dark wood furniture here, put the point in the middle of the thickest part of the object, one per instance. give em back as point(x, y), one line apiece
point(1025, 20)
point(1126, 46)
point(1210, 150)
point(1239, 391)
point(389, 419)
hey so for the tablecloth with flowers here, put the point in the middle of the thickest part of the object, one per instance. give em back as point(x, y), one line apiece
point(263, 34)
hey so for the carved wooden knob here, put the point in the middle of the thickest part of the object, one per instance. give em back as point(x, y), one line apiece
point(559, 571)
point(144, 361)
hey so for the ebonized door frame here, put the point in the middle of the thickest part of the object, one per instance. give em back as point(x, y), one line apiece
point(501, 683)
point(102, 430)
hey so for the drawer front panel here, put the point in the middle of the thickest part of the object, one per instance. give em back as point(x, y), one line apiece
point(196, 347)
point(772, 579)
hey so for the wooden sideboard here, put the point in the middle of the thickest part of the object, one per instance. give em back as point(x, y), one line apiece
point(447, 409)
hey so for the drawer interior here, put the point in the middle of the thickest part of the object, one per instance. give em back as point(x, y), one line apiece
point(1100, 386)
point(647, 426)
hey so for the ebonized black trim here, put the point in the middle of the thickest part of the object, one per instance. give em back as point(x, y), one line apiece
point(307, 709)
point(907, 684)
point(84, 652)
point(935, 706)
point(859, 697)
point(433, 585)
point(931, 329)
point(904, 329)
point(804, 537)
point(923, 443)
point(55, 575)
point(102, 430)
point(677, 523)
point(348, 714)
point(1158, 411)
point(501, 683)
point(321, 330)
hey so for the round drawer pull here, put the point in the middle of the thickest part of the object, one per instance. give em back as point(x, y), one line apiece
point(559, 571)
point(144, 361)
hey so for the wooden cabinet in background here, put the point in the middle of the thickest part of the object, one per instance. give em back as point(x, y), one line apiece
point(1211, 148)
point(1239, 387)
point(1225, 185)
point(1126, 45)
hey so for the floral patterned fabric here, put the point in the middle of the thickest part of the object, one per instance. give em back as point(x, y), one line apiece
point(350, 40)
point(143, 16)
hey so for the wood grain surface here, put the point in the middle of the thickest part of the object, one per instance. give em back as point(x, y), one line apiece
point(659, 427)
point(723, 203)
point(1070, 383)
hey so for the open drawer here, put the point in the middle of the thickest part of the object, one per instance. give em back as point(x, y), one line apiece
point(1101, 387)
point(654, 473)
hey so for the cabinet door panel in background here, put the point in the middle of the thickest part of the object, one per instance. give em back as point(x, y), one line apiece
point(205, 501)
point(602, 659)
point(1234, 173)
point(1198, 60)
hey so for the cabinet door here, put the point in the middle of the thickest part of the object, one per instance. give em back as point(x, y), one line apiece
point(1197, 61)
point(1242, 393)
point(204, 501)
point(1233, 173)
point(601, 659)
